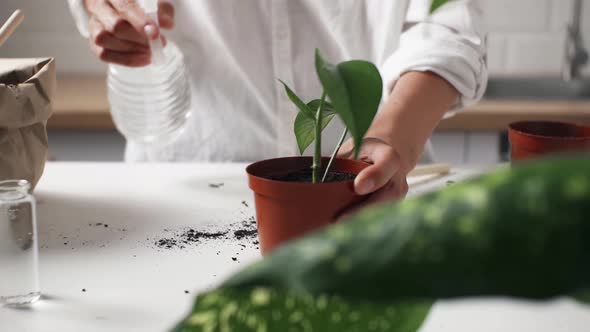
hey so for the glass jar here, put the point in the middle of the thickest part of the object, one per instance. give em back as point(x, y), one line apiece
point(19, 253)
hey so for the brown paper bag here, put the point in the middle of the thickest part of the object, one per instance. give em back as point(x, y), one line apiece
point(27, 87)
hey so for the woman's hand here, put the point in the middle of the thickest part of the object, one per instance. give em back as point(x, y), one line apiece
point(396, 139)
point(119, 30)
point(385, 179)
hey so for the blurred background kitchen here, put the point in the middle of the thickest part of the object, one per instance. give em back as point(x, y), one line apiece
point(537, 54)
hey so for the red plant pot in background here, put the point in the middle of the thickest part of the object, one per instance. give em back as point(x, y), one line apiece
point(532, 139)
point(287, 210)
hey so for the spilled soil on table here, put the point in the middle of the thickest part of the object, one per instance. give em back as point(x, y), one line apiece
point(243, 232)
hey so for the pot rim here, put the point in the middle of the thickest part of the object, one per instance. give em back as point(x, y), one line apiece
point(512, 128)
point(249, 171)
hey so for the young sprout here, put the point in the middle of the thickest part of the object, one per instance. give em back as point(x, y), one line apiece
point(352, 90)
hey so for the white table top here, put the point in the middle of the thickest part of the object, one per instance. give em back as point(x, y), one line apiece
point(132, 285)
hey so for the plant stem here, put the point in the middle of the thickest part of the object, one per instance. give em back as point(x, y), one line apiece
point(344, 133)
point(317, 156)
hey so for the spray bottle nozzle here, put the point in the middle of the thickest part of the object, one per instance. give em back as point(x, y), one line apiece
point(157, 48)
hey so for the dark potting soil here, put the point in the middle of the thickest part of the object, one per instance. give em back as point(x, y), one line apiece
point(244, 230)
point(305, 175)
point(187, 237)
point(240, 235)
point(245, 233)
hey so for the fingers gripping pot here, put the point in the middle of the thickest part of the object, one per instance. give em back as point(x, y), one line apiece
point(27, 87)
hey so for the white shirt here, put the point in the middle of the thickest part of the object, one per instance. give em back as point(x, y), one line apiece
point(236, 50)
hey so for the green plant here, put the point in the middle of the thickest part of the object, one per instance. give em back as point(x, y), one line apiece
point(468, 239)
point(504, 234)
point(354, 90)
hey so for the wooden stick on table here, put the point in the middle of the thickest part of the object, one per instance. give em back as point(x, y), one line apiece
point(11, 24)
point(432, 169)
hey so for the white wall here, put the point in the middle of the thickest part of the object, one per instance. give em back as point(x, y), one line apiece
point(48, 30)
point(529, 36)
point(526, 36)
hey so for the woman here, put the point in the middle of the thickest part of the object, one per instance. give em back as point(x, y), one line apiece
point(235, 51)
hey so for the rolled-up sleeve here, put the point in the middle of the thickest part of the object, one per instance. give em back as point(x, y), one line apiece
point(449, 43)
point(80, 16)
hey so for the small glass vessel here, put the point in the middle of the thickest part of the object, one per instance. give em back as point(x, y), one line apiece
point(19, 253)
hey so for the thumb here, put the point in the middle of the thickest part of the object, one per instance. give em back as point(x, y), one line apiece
point(132, 12)
point(346, 149)
point(166, 13)
point(372, 178)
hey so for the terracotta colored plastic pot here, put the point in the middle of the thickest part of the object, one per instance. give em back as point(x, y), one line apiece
point(287, 210)
point(532, 139)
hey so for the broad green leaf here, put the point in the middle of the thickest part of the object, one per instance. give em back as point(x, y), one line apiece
point(458, 242)
point(355, 89)
point(298, 102)
point(582, 296)
point(314, 104)
point(502, 234)
point(305, 127)
point(436, 4)
point(267, 309)
point(335, 87)
point(365, 88)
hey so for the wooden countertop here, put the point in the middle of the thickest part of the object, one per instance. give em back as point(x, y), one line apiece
point(81, 104)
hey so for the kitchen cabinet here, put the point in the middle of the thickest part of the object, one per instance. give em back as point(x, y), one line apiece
point(467, 147)
point(108, 145)
point(78, 145)
point(82, 129)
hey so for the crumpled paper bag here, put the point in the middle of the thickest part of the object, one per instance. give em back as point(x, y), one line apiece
point(27, 87)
